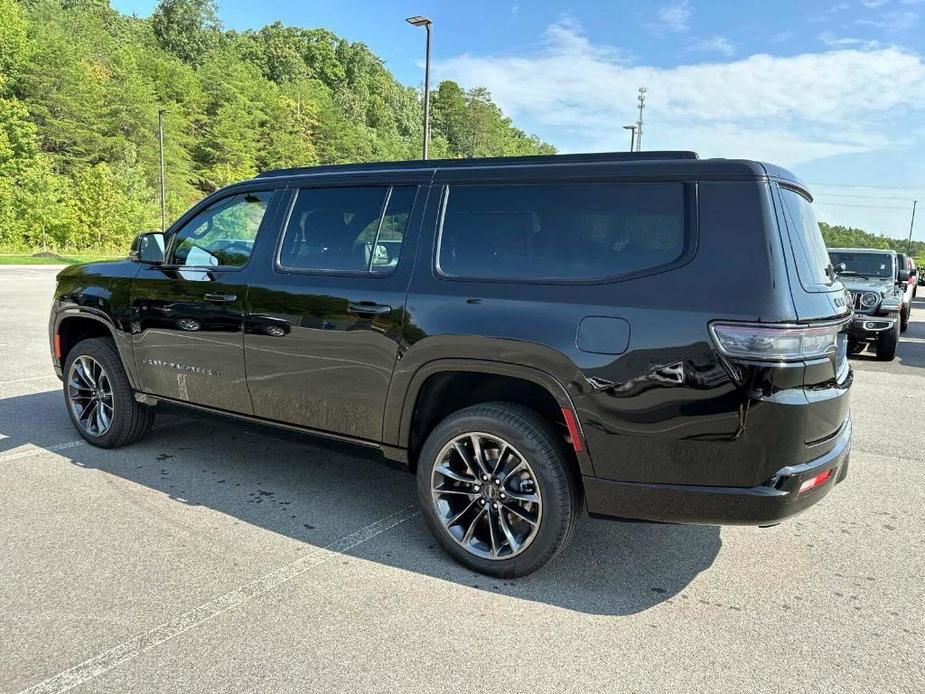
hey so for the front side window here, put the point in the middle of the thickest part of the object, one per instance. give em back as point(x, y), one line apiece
point(812, 258)
point(223, 234)
point(358, 229)
point(565, 232)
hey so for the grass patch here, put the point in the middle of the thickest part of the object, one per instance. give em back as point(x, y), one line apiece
point(50, 259)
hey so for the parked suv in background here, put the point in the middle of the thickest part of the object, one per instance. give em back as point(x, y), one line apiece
point(650, 336)
point(880, 297)
point(908, 269)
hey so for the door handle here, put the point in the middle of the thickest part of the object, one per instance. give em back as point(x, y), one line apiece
point(221, 298)
point(368, 308)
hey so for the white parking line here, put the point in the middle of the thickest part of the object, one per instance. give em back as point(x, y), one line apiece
point(36, 450)
point(29, 378)
point(105, 661)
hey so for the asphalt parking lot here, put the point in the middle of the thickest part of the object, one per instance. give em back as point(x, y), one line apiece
point(214, 557)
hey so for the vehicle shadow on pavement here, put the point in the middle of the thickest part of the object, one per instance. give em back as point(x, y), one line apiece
point(316, 492)
point(911, 348)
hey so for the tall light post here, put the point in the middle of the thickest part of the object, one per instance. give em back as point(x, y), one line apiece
point(912, 224)
point(160, 141)
point(632, 129)
point(420, 21)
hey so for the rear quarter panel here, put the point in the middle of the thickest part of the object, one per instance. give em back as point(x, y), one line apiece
point(667, 408)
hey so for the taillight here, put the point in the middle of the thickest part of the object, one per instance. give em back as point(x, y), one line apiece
point(814, 482)
point(775, 342)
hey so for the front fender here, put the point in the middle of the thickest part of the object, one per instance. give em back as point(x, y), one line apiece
point(891, 304)
point(99, 292)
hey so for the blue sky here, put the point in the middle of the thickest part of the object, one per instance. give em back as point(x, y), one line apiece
point(834, 90)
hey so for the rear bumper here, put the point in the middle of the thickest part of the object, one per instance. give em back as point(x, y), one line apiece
point(766, 504)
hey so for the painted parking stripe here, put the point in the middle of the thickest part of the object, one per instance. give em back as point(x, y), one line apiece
point(30, 378)
point(105, 661)
point(36, 450)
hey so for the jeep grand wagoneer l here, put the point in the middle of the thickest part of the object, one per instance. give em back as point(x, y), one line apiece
point(645, 335)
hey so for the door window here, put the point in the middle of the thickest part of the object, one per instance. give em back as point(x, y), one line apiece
point(223, 234)
point(358, 229)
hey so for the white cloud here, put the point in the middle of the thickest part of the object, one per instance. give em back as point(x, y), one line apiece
point(675, 16)
point(874, 4)
point(715, 44)
point(829, 39)
point(892, 22)
point(787, 109)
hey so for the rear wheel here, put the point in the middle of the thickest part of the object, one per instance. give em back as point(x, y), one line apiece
point(99, 398)
point(887, 341)
point(497, 489)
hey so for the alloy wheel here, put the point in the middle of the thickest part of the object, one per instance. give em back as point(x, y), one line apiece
point(486, 495)
point(89, 393)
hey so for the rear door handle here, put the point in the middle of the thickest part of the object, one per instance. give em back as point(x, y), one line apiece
point(368, 308)
point(221, 298)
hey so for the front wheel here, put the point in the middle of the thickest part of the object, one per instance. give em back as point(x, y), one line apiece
point(497, 489)
point(887, 341)
point(99, 397)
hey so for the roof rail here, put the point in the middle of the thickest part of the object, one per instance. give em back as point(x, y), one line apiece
point(486, 161)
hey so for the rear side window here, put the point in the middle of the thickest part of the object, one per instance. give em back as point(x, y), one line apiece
point(564, 232)
point(812, 258)
point(358, 229)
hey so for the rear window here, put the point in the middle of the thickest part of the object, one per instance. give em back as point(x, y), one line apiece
point(812, 258)
point(565, 232)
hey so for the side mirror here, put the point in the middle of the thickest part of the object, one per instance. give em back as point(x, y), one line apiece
point(148, 248)
point(841, 267)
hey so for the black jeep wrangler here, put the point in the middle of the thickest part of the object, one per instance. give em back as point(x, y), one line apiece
point(881, 296)
point(649, 336)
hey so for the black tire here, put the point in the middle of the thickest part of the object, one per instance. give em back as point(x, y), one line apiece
point(886, 343)
point(544, 449)
point(130, 420)
point(904, 318)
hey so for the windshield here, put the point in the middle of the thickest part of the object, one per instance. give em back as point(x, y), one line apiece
point(864, 264)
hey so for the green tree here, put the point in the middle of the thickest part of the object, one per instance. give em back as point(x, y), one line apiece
point(14, 41)
point(189, 29)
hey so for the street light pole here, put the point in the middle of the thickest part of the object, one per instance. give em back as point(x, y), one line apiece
point(160, 140)
point(420, 21)
point(632, 129)
point(912, 224)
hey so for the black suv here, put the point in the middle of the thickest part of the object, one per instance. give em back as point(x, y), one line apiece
point(651, 336)
point(881, 294)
